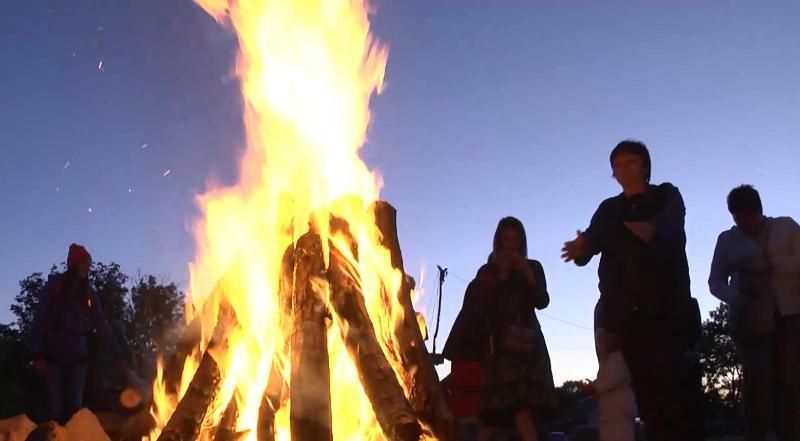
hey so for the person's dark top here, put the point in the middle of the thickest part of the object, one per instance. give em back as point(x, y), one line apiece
point(652, 278)
point(491, 305)
point(63, 321)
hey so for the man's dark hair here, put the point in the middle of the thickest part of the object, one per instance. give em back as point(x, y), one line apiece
point(744, 198)
point(635, 148)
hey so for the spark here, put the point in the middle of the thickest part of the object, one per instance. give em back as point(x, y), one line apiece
point(90, 210)
point(144, 146)
point(100, 66)
point(130, 190)
point(74, 55)
point(58, 189)
point(66, 165)
point(166, 173)
point(100, 29)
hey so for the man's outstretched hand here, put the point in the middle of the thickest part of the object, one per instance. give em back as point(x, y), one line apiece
point(574, 249)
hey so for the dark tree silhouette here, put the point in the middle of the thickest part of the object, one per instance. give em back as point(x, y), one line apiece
point(13, 376)
point(109, 282)
point(149, 309)
point(569, 393)
point(156, 310)
point(26, 300)
point(722, 371)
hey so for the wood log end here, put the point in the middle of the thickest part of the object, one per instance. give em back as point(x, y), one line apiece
point(408, 431)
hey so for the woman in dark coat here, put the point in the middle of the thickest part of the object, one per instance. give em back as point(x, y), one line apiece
point(497, 326)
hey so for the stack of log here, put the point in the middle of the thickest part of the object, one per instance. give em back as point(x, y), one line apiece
point(401, 418)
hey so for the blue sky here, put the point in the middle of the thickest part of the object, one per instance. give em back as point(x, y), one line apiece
point(491, 109)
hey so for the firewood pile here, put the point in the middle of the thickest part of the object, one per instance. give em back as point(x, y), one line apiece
point(402, 415)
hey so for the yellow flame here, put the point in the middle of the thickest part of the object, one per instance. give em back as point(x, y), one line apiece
point(308, 69)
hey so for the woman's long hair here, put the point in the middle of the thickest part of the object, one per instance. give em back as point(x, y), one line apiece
point(510, 222)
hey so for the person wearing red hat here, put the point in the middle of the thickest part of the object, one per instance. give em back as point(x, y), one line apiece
point(67, 312)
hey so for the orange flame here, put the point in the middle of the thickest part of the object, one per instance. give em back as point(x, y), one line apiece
point(308, 69)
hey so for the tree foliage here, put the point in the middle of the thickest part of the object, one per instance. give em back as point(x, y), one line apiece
point(722, 371)
point(148, 308)
point(569, 393)
point(26, 300)
point(155, 310)
point(110, 284)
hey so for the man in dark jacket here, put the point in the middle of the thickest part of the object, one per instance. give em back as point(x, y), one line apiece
point(645, 297)
point(68, 311)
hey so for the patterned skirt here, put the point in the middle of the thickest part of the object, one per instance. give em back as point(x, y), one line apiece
point(515, 382)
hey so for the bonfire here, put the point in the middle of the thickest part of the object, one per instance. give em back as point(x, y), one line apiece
point(300, 323)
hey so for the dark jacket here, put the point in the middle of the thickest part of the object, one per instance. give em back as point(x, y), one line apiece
point(651, 278)
point(490, 306)
point(64, 320)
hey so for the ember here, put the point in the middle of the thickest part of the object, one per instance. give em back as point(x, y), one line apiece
point(300, 324)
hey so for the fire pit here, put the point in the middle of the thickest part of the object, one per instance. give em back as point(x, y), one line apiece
point(314, 298)
point(301, 323)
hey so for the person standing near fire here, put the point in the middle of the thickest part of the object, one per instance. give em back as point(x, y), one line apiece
point(756, 272)
point(646, 308)
point(67, 313)
point(497, 337)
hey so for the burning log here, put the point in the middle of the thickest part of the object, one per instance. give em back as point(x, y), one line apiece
point(310, 414)
point(184, 425)
point(275, 393)
point(226, 430)
point(271, 402)
point(187, 342)
point(185, 422)
point(393, 412)
point(427, 397)
point(300, 294)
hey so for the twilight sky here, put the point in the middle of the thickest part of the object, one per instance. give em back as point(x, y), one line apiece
point(114, 114)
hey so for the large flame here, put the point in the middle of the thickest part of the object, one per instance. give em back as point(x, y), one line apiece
point(308, 69)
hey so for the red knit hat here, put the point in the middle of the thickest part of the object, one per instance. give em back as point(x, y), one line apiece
point(78, 255)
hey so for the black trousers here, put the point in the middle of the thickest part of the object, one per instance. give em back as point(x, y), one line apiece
point(664, 378)
point(771, 381)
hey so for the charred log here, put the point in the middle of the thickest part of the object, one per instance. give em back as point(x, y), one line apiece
point(189, 340)
point(185, 423)
point(274, 397)
point(393, 412)
point(426, 395)
point(310, 413)
point(276, 392)
point(226, 430)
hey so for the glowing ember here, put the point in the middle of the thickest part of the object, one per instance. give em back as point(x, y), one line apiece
point(308, 69)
